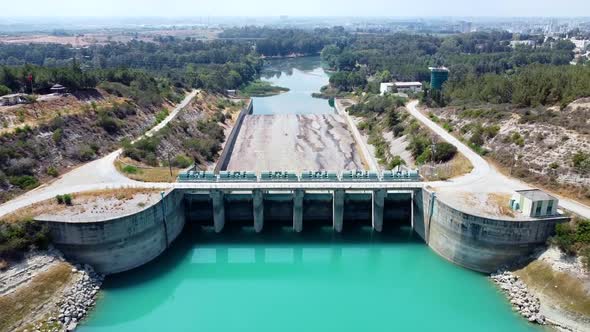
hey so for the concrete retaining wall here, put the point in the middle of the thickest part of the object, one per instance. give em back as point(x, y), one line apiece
point(230, 141)
point(478, 243)
point(120, 244)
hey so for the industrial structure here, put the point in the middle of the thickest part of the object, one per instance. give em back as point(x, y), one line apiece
point(534, 203)
point(438, 76)
point(391, 87)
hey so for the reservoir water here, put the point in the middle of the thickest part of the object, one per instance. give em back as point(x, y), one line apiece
point(314, 281)
point(303, 76)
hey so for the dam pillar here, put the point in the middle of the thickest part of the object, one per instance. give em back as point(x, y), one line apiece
point(298, 210)
point(258, 206)
point(338, 209)
point(218, 210)
point(377, 209)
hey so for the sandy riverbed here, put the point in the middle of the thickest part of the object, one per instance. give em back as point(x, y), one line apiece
point(295, 143)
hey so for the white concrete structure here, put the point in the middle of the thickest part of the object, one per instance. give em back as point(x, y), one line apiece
point(408, 86)
point(390, 87)
point(13, 99)
point(534, 203)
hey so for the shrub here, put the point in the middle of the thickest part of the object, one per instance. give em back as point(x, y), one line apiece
point(16, 237)
point(444, 152)
point(129, 169)
point(181, 161)
point(52, 171)
point(161, 116)
point(57, 135)
point(25, 182)
point(110, 124)
point(60, 199)
point(85, 153)
point(67, 199)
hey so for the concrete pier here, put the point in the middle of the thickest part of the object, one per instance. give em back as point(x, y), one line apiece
point(338, 209)
point(377, 209)
point(298, 210)
point(218, 210)
point(258, 206)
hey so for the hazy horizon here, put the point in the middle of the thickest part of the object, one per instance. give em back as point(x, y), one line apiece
point(301, 8)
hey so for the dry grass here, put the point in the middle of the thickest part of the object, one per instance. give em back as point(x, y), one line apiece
point(500, 203)
point(562, 190)
point(18, 305)
point(562, 288)
point(457, 166)
point(34, 210)
point(152, 174)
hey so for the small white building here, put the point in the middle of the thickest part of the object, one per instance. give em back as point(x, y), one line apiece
point(390, 87)
point(13, 99)
point(534, 203)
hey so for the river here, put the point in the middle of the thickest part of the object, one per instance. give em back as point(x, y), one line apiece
point(317, 281)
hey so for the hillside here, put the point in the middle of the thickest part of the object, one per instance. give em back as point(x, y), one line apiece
point(545, 146)
point(41, 140)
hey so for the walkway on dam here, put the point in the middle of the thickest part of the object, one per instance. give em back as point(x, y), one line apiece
point(102, 174)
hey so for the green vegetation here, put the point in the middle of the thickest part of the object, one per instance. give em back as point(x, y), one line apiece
point(161, 116)
point(261, 89)
point(52, 171)
point(581, 162)
point(18, 237)
point(574, 238)
point(64, 199)
point(25, 182)
point(130, 169)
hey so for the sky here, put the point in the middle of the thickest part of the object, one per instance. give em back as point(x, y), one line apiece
point(389, 8)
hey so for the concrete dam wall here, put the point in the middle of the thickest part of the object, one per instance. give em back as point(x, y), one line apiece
point(120, 244)
point(478, 243)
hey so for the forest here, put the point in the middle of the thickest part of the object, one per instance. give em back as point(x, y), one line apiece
point(483, 66)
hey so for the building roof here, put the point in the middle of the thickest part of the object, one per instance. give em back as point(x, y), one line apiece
point(13, 95)
point(57, 87)
point(407, 84)
point(441, 68)
point(536, 195)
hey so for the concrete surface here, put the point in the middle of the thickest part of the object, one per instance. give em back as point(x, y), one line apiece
point(293, 142)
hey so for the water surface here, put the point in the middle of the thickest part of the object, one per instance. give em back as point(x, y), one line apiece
point(286, 282)
point(303, 76)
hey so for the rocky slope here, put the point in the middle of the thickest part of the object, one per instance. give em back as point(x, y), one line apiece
point(41, 140)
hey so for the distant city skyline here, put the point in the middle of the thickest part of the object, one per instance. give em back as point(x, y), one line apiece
point(381, 8)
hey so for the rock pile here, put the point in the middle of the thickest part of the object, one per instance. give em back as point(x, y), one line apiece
point(79, 298)
point(521, 299)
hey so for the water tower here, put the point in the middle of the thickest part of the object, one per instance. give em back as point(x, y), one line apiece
point(438, 76)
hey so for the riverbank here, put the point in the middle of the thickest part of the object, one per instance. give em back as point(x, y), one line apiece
point(262, 89)
point(553, 289)
point(44, 292)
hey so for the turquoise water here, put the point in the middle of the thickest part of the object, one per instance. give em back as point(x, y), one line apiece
point(292, 282)
point(303, 76)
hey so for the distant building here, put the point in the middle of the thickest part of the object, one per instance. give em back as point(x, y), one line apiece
point(534, 203)
point(514, 43)
point(386, 88)
point(231, 93)
point(13, 99)
point(391, 87)
point(408, 86)
point(438, 76)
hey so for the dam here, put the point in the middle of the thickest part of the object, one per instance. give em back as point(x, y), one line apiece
point(334, 253)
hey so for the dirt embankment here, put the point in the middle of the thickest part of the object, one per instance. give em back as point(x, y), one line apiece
point(46, 138)
point(562, 284)
point(293, 142)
